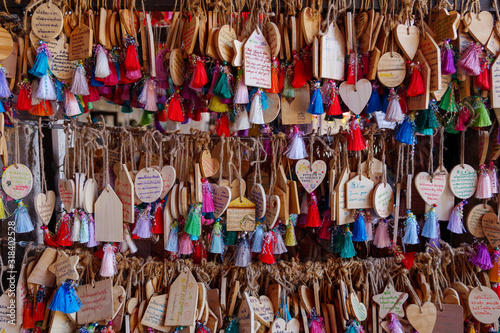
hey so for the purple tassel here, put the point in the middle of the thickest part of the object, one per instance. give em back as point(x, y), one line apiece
point(279, 245)
point(92, 242)
point(455, 223)
point(470, 60)
point(394, 326)
point(243, 254)
point(447, 59)
point(143, 224)
point(4, 84)
point(481, 257)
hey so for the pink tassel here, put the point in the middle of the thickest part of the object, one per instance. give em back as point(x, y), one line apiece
point(455, 224)
point(108, 265)
point(80, 86)
point(92, 242)
point(134, 75)
point(207, 199)
point(470, 60)
point(325, 230)
point(394, 112)
point(279, 244)
point(126, 92)
point(241, 96)
point(316, 323)
point(492, 171)
point(369, 225)
point(394, 326)
point(143, 224)
point(481, 257)
point(185, 244)
point(148, 96)
point(483, 190)
point(72, 107)
point(382, 239)
point(161, 73)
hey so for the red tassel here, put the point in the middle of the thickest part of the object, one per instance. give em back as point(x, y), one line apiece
point(112, 79)
point(281, 78)
point(63, 236)
point(40, 304)
point(123, 75)
point(48, 237)
point(496, 288)
point(199, 251)
point(355, 139)
point(117, 95)
point(28, 322)
point(267, 256)
point(24, 97)
point(334, 108)
point(132, 58)
point(482, 81)
point(299, 75)
point(306, 59)
point(175, 108)
point(416, 85)
point(223, 126)
point(42, 109)
point(365, 61)
point(351, 70)
point(313, 218)
point(158, 219)
point(407, 259)
point(200, 78)
point(161, 115)
point(274, 77)
point(196, 116)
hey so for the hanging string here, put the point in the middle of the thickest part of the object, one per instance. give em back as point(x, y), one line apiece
point(42, 155)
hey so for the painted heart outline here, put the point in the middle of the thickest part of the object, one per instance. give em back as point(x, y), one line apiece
point(310, 176)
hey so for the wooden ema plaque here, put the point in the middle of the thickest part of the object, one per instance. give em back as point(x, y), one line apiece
point(17, 181)
point(80, 43)
point(295, 112)
point(124, 187)
point(97, 302)
point(108, 217)
point(257, 57)
point(148, 185)
point(391, 70)
point(474, 219)
point(47, 21)
point(332, 54)
point(6, 47)
point(495, 83)
point(182, 301)
point(432, 54)
point(62, 67)
point(445, 25)
point(484, 305)
point(359, 193)
point(40, 274)
point(154, 316)
point(240, 215)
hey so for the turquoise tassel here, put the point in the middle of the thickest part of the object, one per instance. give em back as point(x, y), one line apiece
point(347, 250)
point(41, 65)
point(22, 219)
point(217, 245)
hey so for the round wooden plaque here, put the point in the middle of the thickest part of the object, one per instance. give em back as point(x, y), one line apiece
point(47, 21)
point(17, 181)
point(391, 69)
point(6, 44)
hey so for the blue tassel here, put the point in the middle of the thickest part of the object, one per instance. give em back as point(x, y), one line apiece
point(22, 219)
point(118, 73)
point(374, 104)
point(217, 245)
point(66, 300)
point(258, 238)
point(263, 99)
point(41, 65)
point(431, 224)
point(411, 230)
point(316, 104)
point(173, 237)
point(60, 91)
point(359, 229)
point(233, 326)
point(2, 109)
point(385, 100)
point(4, 84)
point(406, 131)
point(94, 82)
point(347, 250)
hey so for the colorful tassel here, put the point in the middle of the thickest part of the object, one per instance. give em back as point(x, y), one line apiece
point(316, 101)
point(241, 122)
point(172, 242)
point(266, 255)
point(199, 78)
point(24, 97)
point(80, 86)
point(455, 223)
point(416, 85)
point(447, 59)
point(411, 230)
point(71, 106)
point(382, 239)
point(483, 190)
point(131, 58)
point(297, 147)
point(351, 70)
point(355, 139)
point(316, 323)
point(75, 228)
point(174, 110)
point(313, 217)
point(405, 132)
point(148, 96)
point(41, 65)
point(241, 96)
point(394, 113)
point(207, 199)
point(22, 219)
point(347, 250)
point(359, 228)
point(333, 110)
point(394, 326)
point(448, 101)
point(469, 62)
point(288, 90)
point(480, 256)
point(65, 299)
point(217, 244)
point(256, 115)
point(222, 125)
point(142, 228)
point(193, 222)
point(494, 272)
point(299, 74)
point(430, 229)
point(369, 226)
point(199, 251)
point(63, 234)
point(92, 242)
point(101, 63)
point(258, 237)
point(279, 246)
point(243, 256)
point(483, 120)
point(157, 222)
point(28, 321)
point(427, 120)
point(274, 76)
point(482, 81)
point(46, 89)
point(464, 119)
point(185, 244)
point(49, 239)
point(108, 264)
point(40, 304)
point(325, 230)
point(4, 84)
point(290, 239)
point(374, 103)
point(493, 172)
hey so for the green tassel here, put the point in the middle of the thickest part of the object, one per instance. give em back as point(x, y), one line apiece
point(427, 121)
point(222, 88)
point(347, 250)
point(230, 237)
point(450, 126)
point(484, 115)
point(337, 242)
point(126, 108)
point(288, 91)
point(193, 223)
point(215, 105)
point(146, 118)
point(448, 102)
point(89, 105)
point(233, 326)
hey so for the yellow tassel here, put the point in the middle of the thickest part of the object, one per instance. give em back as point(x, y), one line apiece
point(3, 211)
point(215, 105)
point(471, 328)
point(290, 239)
point(494, 272)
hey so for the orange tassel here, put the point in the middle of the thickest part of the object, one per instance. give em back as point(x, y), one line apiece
point(274, 77)
point(42, 109)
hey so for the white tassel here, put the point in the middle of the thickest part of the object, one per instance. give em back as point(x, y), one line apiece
point(241, 123)
point(101, 63)
point(108, 265)
point(72, 106)
point(80, 85)
point(394, 112)
point(256, 112)
point(130, 242)
point(46, 89)
point(34, 99)
point(75, 230)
